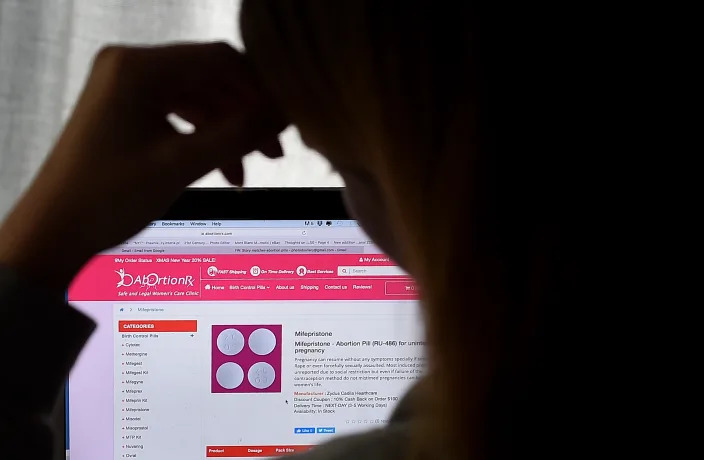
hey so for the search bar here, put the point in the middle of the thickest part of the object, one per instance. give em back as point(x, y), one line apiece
point(222, 233)
point(383, 270)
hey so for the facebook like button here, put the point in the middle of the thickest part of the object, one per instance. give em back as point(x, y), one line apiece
point(304, 430)
point(326, 430)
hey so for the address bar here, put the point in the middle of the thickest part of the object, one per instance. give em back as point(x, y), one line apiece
point(382, 270)
point(221, 233)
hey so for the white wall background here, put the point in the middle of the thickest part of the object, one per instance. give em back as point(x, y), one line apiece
point(46, 47)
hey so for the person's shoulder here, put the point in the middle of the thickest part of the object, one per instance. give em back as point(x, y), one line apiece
point(389, 443)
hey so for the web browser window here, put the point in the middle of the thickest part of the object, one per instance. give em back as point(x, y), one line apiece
point(239, 339)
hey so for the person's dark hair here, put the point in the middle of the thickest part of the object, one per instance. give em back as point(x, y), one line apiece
point(452, 105)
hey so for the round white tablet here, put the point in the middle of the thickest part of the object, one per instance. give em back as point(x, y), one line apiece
point(261, 375)
point(229, 375)
point(262, 341)
point(230, 341)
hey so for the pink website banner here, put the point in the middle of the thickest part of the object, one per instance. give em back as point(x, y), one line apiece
point(241, 277)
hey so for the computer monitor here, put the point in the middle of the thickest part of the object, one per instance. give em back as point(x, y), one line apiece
point(243, 324)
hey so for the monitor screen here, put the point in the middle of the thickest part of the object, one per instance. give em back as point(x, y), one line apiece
point(239, 339)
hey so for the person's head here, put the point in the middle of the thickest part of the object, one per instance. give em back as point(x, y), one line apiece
point(389, 93)
point(366, 86)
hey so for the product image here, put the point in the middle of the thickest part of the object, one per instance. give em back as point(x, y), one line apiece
point(246, 358)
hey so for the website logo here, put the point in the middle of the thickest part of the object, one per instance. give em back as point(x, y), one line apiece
point(149, 280)
point(121, 273)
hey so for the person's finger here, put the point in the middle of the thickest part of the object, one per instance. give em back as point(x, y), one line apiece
point(213, 76)
point(191, 80)
point(234, 172)
point(201, 95)
point(178, 63)
point(212, 145)
point(200, 83)
point(272, 148)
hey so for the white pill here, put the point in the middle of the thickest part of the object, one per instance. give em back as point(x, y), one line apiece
point(230, 342)
point(229, 375)
point(261, 375)
point(262, 341)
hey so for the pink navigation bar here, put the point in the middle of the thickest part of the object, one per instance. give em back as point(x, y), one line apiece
point(241, 277)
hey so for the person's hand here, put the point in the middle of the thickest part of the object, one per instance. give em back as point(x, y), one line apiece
point(119, 164)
